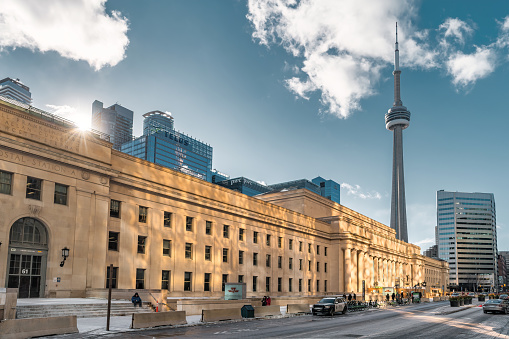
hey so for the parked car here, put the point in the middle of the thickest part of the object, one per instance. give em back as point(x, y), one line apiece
point(471, 294)
point(503, 296)
point(330, 305)
point(455, 294)
point(496, 306)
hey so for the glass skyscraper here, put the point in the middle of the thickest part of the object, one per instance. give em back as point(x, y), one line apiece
point(16, 90)
point(163, 145)
point(466, 235)
point(116, 121)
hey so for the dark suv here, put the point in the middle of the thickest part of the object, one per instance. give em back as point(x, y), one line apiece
point(330, 305)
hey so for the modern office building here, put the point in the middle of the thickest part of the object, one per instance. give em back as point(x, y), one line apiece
point(505, 256)
point(431, 252)
point(245, 186)
point(72, 206)
point(218, 176)
point(163, 145)
point(501, 272)
point(467, 238)
point(116, 121)
point(16, 90)
point(328, 188)
point(296, 184)
point(396, 120)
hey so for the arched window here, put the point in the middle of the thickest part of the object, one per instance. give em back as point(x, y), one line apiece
point(28, 231)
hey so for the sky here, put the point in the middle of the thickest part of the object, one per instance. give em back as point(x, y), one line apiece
point(285, 90)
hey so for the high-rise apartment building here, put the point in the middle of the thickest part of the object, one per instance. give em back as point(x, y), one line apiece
point(163, 145)
point(467, 239)
point(116, 121)
point(15, 89)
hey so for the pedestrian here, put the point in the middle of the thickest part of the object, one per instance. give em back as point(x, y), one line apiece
point(387, 296)
point(268, 300)
point(264, 301)
point(136, 299)
point(393, 296)
point(354, 296)
point(344, 296)
point(349, 297)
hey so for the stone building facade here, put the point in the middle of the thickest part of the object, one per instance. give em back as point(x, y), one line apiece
point(161, 229)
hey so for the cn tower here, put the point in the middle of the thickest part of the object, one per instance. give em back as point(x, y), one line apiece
point(396, 120)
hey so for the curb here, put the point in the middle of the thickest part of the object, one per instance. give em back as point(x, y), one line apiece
point(456, 310)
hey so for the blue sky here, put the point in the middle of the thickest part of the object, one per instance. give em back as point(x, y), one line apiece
point(284, 92)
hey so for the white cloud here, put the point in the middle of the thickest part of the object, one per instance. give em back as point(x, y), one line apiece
point(357, 191)
point(466, 69)
point(78, 30)
point(455, 28)
point(425, 243)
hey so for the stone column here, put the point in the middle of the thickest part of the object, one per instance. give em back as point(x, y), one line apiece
point(360, 275)
point(348, 270)
point(355, 270)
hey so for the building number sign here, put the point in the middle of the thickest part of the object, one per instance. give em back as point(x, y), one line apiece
point(25, 271)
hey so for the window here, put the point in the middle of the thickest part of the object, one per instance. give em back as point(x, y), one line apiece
point(224, 281)
point(290, 244)
point(309, 285)
point(60, 196)
point(290, 263)
point(113, 277)
point(140, 278)
point(279, 262)
point(325, 285)
point(300, 264)
point(300, 285)
point(267, 260)
point(114, 208)
point(141, 244)
point(166, 248)
point(225, 255)
point(318, 285)
point(208, 253)
point(187, 281)
point(241, 234)
point(325, 251)
point(226, 231)
point(142, 216)
point(33, 190)
point(241, 257)
point(255, 237)
point(290, 283)
point(267, 240)
point(206, 282)
point(113, 241)
point(167, 219)
point(309, 265)
point(325, 267)
point(279, 242)
point(317, 266)
point(189, 224)
point(309, 248)
point(208, 227)
point(165, 280)
point(279, 284)
point(317, 249)
point(5, 182)
point(255, 280)
point(300, 246)
point(240, 279)
point(267, 284)
point(189, 251)
point(255, 259)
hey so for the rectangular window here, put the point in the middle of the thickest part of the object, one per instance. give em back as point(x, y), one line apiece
point(206, 282)
point(309, 248)
point(279, 262)
point(290, 244)
point(224, 281)
point(300, 285)
point(142, 241)
point(5, 182)
point(325, 286)
point(60, 196)
point(142, 216)
point(255, 259)
point(255, 237)
point(113, 277)
point(225, 255)
point(317, 249)
point(279, 242)
point(189, 251)
point(317, 266)
point(114, 208)
point(241, 234)
point(165, 280)
point(290, 263)
point(318, 285)
point(189, 224)
point(309, 285)
point(33, 190)
point(300, 264)
point(325, 251)
point(241, 257)
point(255, 280)
point(290, 283)
point(208, 253)
point(267, 284)
point(325, 267)
point(226, 231)
point(300, 246)
point(166, 248)
point(167, 219)
point(113, 241)
point(267, 260)
point(279, 284)
point(309, 265)
point(187, 281)
point(241, 278)
point(140, 278)
point(267, 240)
point(208, 227)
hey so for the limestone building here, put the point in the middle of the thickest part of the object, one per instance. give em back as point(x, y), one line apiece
point(62, 189)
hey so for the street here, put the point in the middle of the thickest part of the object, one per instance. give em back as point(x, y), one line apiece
point(416, 321)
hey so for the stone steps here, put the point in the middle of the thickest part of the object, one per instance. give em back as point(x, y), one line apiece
point(80, 310)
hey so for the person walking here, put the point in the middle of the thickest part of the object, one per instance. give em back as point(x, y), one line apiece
point(349, 297)
point(268, 300)
point(264, 301)
point(393, 296)
point(136, 299)
point(354, 297)
point(387, 296)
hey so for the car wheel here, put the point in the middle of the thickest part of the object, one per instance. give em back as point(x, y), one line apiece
point(314, 313)
point(485, 311)
point(506, 311)
point(331, 312)
point(345, 309)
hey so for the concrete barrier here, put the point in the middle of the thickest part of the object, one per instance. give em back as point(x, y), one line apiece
point(196, 306)
point(144, 320)
point(221, 314)
point(297, 308)
point(263, 311)
point(36, 327)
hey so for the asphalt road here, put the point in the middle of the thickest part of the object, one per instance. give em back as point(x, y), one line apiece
point(416, 321)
